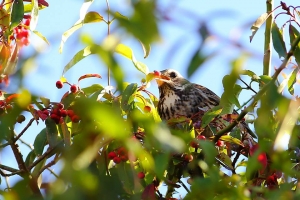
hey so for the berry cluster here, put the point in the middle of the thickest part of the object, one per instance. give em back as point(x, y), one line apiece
point(21, 32)
point(58, 113)
point(118, 155)
point(195, 142)
point(73, 88)
point(4, 107)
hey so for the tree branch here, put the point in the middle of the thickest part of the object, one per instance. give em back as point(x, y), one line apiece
point(24, 130)
point(260, 93)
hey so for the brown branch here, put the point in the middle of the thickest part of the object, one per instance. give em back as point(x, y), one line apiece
point(260, 93)
point(24, 130)
point(45, 155)
point(7, 168)
point(53, 162)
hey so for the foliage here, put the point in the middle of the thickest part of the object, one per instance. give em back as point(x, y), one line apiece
point(111, 143)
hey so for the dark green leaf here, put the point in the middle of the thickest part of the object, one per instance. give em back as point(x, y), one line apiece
point(30, 158)
point(51, 132)
point(292, 81)
point(127, 95)
point(278, 42)
point(17, 13)
point(197, 60)
point(40, 142)
point(210, 115)
point(294, 33)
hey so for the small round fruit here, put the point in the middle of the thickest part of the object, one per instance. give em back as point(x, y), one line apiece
point(63, 113)
point(122, 151)
point(141, 175)
point(111, 155)
point(117, 160)
point(70, 113)
point(201, 137)
point(147, 109)
point(46, 112)
point(20, 119)
point(59, 84)
point(194, 144)
point(74, 88)
point(188, 157)
point(75, 119)
point(219, 143)
point(124, 158)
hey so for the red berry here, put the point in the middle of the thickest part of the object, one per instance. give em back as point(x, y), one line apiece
point(75, 119)
point(63, 113)
point(188, 157)
point(194, 144)
point(70, 113)
point(122, 151)
point(141, 175)
point(111, 155)
point(60, 106)
point(156, 73)
point(201, 137)
point(27, 22)
point(74, 88)
point(147, 109)
point(55, 118)
point(117, 160)
point(219, 143)
point(124, 158)
point(59, 84)
point(27, 16)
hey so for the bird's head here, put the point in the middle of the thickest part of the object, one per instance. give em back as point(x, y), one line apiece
point(170, 78)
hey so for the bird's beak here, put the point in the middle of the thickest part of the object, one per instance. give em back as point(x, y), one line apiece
point(161, 79)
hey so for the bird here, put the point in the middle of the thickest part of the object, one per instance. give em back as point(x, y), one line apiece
point(179, 97)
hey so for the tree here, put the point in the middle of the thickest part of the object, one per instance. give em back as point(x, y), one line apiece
point(111, 143)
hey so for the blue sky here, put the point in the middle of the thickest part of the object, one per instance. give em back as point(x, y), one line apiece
point(229, 19)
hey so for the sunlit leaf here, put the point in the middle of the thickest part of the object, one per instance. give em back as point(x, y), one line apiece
point(92, 89)
point(228, 138)
point(41, 36)
point(128, 53)
point(34, 14)
point(40, 142)
point(265, 79)
point(17, 13)
point(146, 49)
point(78, 57)
point(90, 17)
point(278, 42)
point(257, 24)
point(292, 80)
point(11, 64)
point(66, 134)
point(4, 18)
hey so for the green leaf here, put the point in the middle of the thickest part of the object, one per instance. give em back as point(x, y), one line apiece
point(294, 33)
point(146, 49)
point(92, 89)
point(197, 60)
point(127, 95)
point(257, 24)
point(79, 56)
point(51, 132)
point(17, 13)
point(30, 158)
point(34, 14)
point(228, 138)
point(41, 36)
point(128, 53)
point(90, 17)
point(278, 42)
point(226, 160)
point(40, 142)
point(4, 18)
point(229, 98)
point(250, 74)
point(265, 79)
point(292, 81)
point(210, 115)
point(45, 101)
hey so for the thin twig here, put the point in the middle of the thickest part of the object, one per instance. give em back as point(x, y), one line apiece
point(248, 86)
point(50, 164)
point(184, 186)
point(7, 168)
point(24, 130)
point(108, 33)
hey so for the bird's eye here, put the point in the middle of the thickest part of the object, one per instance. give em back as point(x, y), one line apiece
point(173, 75)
